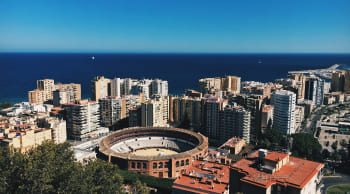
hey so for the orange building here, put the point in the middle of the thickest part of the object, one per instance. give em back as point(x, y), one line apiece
point(275, 172)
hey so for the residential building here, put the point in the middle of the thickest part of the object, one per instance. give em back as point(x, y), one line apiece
point(314, 90)
point(100, 87)
point(203, 177)
point(284, 111)
point(112, 109)
point(275, 172)
point(234, 122)
point(155, 112)
point(83, 119)
point(266, 117)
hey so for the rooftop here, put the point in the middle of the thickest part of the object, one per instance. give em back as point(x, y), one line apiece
point(204, 177)
point(296, 173)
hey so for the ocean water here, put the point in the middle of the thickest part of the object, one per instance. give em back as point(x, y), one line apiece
point(19, 71)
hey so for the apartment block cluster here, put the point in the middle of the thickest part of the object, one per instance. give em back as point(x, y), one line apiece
point(26, 131)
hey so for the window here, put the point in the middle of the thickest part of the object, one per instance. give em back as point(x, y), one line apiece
point(182, 163)
point(154, 165)
point(133, 165)
point(160, 165)
point(193, 158)
point(177, 164)
point(138, 165)
point(187, 162)
point(144, 166)
point(166, 165)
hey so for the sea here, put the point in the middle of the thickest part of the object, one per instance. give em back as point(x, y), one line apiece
point(19, 71)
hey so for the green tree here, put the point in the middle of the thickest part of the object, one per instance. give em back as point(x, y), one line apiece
point(140, 187)
point(306, 146)
point(325, 154)
point(334, 145)
point(6, 105)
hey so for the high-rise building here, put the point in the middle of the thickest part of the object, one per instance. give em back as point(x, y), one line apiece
point(48, 86)
point(266, 117)
point(234, 122)
point(300, 84)
point(187, 108)
point(299, 116)
point(60, 96)
point(338, 81)
point(36, 96)
point(212, 85)
point(159, 87)
point(284, 111)
point(213, 106)
point(231, 84)
point(112, 109)
point(116, 84)
point(73, 90)
point(43, 92)
point(83, 119)
point(99, 87)
point(314, 90)
point(155, 112)
point(66, 93)
point(347, 82)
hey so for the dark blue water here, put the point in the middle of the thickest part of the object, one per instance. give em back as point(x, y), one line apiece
point(19, 71)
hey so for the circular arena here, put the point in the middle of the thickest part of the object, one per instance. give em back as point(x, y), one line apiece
point(154, 151)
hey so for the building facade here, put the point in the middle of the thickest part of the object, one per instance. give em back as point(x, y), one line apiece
point(284, 111)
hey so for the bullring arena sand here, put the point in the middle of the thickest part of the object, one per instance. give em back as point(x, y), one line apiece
point(154, 152)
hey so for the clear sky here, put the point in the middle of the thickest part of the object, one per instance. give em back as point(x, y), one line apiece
point(228, 26)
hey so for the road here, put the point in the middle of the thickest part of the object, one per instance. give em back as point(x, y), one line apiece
point(331, 181)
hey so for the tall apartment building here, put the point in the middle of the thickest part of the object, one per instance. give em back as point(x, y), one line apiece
point(155, 112)
point(347, 82)
point(314, 90)
point(112, 109)
point(66, 93)
point(338, 81)
point(266, 117)
point(212, 85)
point(83, 119)
point(43, 92)
point(231, 84)
point(187, 107)
point(73, 90)
point(36, 96)
point(300, 84)
point(147, 87)
point(234, 122)
point(253, 104)
point(116, 84)
point(284, 111)
point(100, 87)
point(213, 106)
point(299, 116)
point(48, 86)
point(159, 87)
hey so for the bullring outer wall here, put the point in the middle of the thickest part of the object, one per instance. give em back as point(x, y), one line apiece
point(166, 166)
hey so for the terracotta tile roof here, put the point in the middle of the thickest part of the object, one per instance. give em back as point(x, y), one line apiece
point(296, 173)
point(276, 156)
point(204, 177)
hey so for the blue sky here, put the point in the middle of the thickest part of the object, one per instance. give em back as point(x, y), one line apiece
point(194, 26)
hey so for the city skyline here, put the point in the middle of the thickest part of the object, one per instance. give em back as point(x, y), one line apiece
point(181, 27)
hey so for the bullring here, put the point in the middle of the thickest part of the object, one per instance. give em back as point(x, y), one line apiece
point(155, 151)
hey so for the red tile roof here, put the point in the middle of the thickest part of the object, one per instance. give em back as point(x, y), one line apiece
point(296, 173)
point(276, 156)
point(202, 176)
